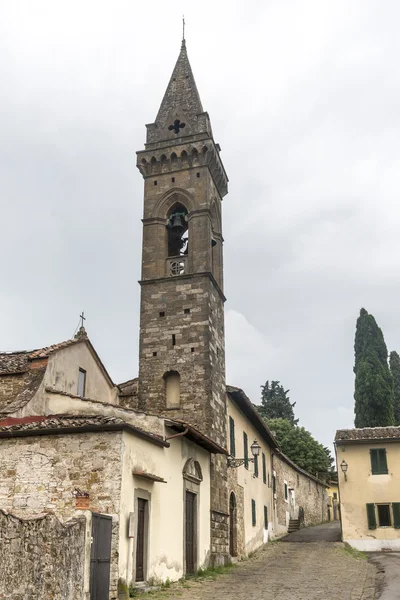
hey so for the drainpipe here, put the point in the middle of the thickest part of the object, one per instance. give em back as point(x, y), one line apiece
point(182, 433)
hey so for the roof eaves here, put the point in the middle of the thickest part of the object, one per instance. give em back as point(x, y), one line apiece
point(246, 406)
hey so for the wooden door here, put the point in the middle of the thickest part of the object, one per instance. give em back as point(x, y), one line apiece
point(140, 539)
point(100, 555)
point(190, 532)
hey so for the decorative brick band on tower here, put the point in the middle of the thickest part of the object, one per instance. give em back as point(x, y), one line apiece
point(182, 348)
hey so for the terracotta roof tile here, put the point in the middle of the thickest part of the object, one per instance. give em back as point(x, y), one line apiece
point(367, 433)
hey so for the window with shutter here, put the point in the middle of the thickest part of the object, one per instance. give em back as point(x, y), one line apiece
point(232, 436)
point(396, 515)
point(265, 517)
point(245, 450)
point(378, 461)
point(264, 468)
point(371, 516)
point(253, 513)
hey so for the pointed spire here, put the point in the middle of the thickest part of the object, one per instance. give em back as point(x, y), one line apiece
point(181, 95)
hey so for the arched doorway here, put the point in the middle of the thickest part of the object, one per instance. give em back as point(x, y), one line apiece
point(232, 525)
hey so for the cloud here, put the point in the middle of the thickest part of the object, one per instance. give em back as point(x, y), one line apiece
point(303, 97)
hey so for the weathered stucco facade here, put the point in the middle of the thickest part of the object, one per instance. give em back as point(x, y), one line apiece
point(369, 488)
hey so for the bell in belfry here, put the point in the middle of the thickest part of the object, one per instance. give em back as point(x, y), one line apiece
point(176, 222)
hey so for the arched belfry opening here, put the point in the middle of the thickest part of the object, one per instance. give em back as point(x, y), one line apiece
point(178, 231)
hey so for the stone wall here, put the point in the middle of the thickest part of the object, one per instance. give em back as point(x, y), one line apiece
point(40, 474)
point(309, 493)
point(41, 558)
point(197, 352)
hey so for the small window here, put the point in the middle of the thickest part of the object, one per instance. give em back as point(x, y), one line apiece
point(232, 436)
point(155, 182)
point(172, 389)
point(265, 517)
point(378, 461)
point(162, 313)
point(384, 518)
point(335, 495)
point(245, 450)
point(173, 179)
point(173, 339)
point(274, 484)
point(81, 382)
point(154, 353)
point(253, 513)
point(264, 468)
point(197, 174)
point(187, 311)
point(256, 466)
point(286, 491)
point(191, 349)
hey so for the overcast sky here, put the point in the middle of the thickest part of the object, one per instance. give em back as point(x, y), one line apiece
point(304, 100)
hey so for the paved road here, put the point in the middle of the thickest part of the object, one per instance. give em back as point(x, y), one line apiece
point(389, 564)
point(327, 532)
point(313, 571)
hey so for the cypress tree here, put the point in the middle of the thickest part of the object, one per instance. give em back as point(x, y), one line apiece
point(275, 403)
point(373, 391)
point(394, 362)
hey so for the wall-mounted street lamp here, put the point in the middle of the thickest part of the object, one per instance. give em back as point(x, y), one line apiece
point(237, 462)
point(344, 466)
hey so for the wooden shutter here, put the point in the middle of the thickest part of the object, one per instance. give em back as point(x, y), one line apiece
point(382, 460)
point(264, 468)
point(396, 515)
point(245, 450)
point(232, 436)
point(253, 512)
point(378, 461)
point(374, 461)
point(371, 516)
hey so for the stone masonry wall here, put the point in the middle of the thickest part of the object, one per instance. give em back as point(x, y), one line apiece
point(39, 475)
point(198, 353)
point(41, 558)
point(309, 494)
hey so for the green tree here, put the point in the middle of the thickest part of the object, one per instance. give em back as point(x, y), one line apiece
point(394, 362)
point(373, 392)
point(275, 403)
point(302, 448)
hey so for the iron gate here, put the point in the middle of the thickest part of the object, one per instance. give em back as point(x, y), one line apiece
point(100, 555)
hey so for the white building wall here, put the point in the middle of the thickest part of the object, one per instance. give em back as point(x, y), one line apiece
point(253, 488)
point(165, 551)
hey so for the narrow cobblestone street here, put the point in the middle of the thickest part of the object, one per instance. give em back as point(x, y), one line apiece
point(286, 571)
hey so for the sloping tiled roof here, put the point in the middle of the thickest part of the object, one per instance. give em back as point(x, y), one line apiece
point(53, 424)
point(22, 389)
point(13, 362)
point(18, 362)
point(129, 388)
point(367, 433)
point(246, 406)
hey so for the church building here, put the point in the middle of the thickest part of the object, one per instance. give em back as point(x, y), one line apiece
point(136, 483)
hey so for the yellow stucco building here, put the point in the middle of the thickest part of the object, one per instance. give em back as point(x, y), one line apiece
point(368, 462)
point(333, 501)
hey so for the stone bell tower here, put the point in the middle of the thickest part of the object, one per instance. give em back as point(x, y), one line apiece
point(182, 351)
